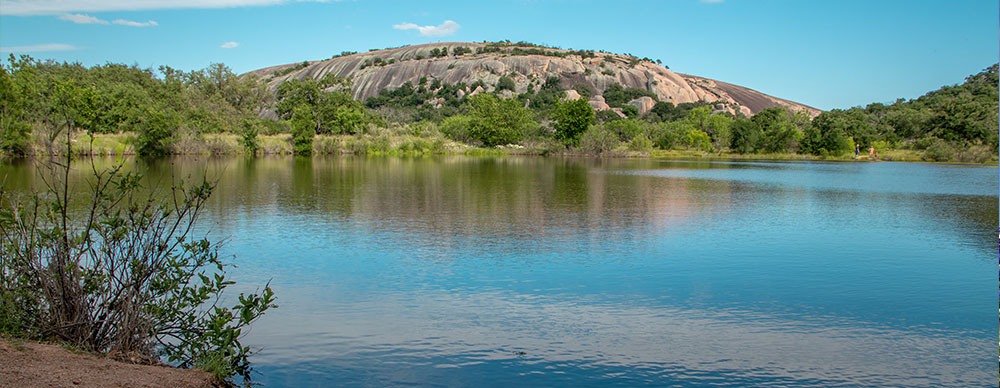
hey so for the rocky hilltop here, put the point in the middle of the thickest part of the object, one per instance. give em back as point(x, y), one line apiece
point(528, 66)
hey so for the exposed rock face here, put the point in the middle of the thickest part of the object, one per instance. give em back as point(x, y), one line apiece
point(571, 95)
point(598, 103)
point(401, 65)
point(644, 104)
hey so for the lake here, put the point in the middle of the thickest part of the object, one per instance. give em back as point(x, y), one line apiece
point(459, 271)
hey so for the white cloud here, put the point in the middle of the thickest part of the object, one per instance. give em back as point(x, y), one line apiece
point(229, 45)
point(444, 29)
point(56, 7)
point(38, 48)
point(80, 18)
point(711, 1)
point(135, 24)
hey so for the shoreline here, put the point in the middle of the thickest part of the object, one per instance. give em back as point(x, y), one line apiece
point(226, 144)
point(30, 364)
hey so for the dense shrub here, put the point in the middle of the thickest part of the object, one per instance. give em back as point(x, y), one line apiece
point(597, 140)
point(116, 271)
point(572, 118)
point(497, 121)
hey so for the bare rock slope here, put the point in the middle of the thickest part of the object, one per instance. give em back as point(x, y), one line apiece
point(388, 69)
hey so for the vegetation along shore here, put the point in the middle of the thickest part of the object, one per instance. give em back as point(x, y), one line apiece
point(307, 109)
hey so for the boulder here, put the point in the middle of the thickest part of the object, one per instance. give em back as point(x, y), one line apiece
point(597, 102)
point(571, 95)
point(644, 104)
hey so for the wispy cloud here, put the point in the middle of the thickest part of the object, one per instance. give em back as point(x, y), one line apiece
point(444, 29)
point(36, 48)
point(229, 45)
point(56, 7)
point(80, 18)
point(135, 24)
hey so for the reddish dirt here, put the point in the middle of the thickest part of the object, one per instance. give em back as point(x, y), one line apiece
point(30, 365)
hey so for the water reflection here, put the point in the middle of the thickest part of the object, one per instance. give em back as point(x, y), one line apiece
point(441, 271)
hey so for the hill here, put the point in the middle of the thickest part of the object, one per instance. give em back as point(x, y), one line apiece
point(485, 64)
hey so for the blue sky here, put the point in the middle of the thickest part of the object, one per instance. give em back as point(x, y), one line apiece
point(828, 54)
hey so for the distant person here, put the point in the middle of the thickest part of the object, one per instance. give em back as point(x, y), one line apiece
point(857, 149)
point(876, 155)
point(871, 151)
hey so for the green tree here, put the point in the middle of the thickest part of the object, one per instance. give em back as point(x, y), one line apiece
point(154, 132)
point(746, 135)
point(572, 118)
point(834, 128)
point(505, 83)
point(16, 90)
point(303, 130)
point(778, 134)
point(497, 121)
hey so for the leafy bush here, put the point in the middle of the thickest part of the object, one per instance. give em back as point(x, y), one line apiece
point(505, 83)
point(154, 133)
point(745, 135)
point(598, 140)
point(641, 143)
point(457, 128)
point(940, 151)
point(497, 121)
point(697, 140)
point(249, 136)
point(121, 274)
point(666, 139)
point(584, 89)
point(572, 118)
point(303, 131)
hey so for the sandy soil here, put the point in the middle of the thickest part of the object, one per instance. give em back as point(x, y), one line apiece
point(30, 365)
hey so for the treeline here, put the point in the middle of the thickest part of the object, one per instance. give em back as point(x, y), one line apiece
point(39, 99)
point(165, 108)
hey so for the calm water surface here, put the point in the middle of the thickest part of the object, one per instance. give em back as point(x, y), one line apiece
point(575, 272)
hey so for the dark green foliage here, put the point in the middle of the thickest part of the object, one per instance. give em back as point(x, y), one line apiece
point(303, 130)
point(15, 109)
point(665, 139)
point(617, 96)
point(331, 111)
point(605, 116)
point(630, 111)
point(279, 73)
point(461, 50)
point(154, 132)
point(439, 52)
point(584, 89)
point(548, 95)
point(746, 135)
point(249, 137)
point(505, 83)
point(572, 118)
point(832, 133)
point(778, 134)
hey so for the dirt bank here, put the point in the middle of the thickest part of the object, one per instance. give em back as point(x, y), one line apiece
point(29, 365)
